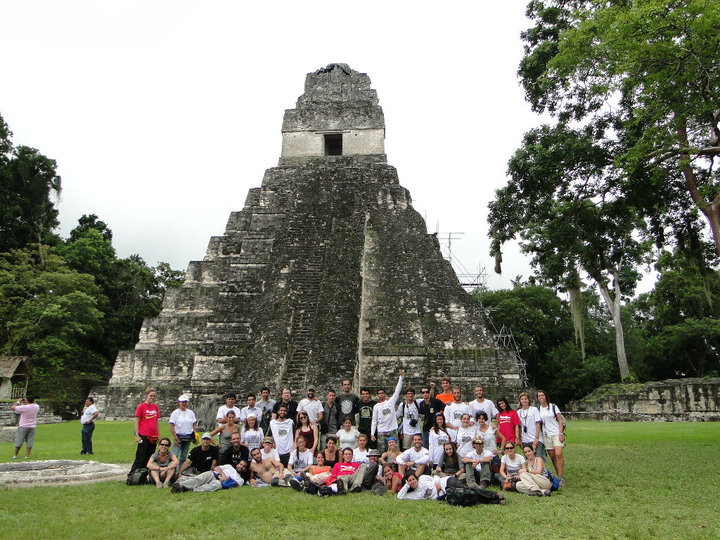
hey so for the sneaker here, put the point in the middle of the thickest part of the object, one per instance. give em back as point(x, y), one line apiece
point(305, 479)
point(275, 482)
point(428, 493)
point(177, 488)
point(501, 498)
point(356, 489)
point(341, 486)
point(484, 484)
point(14, 457)
point(297, 486)
point(561, 481)
point(379, 489)
point(547, 493)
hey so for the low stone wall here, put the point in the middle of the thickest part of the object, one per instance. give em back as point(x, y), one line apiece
point(672, 400)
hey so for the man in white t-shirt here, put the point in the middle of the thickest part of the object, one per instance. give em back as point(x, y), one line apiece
point(482, 404)
point(384, 423)
point(282, 432)
point(455, 409)
point(409, 413)
point(477, 464)
point(414, 459)
point(88, 425)
point(312, 406)
point(221, 415)
point(250, 409)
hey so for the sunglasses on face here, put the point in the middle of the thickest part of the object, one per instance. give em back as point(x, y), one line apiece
point(164, 444)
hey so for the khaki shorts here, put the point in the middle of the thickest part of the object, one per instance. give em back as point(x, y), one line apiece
point(552, 442)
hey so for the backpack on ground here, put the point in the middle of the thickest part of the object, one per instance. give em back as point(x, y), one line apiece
point(461, 496)
point(137, 477)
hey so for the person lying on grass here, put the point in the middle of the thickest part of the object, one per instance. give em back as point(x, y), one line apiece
point(270, 472)
point(428, 487)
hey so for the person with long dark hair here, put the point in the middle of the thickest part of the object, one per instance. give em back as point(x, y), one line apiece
point(439, 435)
point(508, 422)
point(553, 433)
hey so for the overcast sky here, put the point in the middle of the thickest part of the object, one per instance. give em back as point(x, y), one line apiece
point(161, 115)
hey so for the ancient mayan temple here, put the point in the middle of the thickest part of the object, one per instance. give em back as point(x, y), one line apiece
point(326, 273)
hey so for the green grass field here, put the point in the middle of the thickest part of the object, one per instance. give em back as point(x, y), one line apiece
point(625, 480)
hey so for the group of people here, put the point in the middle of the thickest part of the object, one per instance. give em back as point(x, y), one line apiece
point(418, 448)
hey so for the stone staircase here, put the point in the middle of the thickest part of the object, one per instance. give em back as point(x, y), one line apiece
point(306, 284)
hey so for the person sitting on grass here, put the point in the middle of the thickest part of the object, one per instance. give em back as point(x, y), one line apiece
point(236, 453)
point(360, 454)
point(510, 465)
point(268, 449)
point(477, 464)
point(450, 464)
point(301, 459)
point(330, 453)
point(270, 472)
point(316, 474)
point(201, 458)
point(414, 459)
point(163, 464)
point(533, 480)
point(390, 457)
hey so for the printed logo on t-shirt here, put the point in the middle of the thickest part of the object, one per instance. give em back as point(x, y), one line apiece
point(385, 411)
point(442, 440)
point(150, 413)
point(457, 415)
point(282, 432)
point(365, 413)
point(466, 438)
point(346, 406)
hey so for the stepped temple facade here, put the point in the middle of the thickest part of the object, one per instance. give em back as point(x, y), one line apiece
point(326, 273)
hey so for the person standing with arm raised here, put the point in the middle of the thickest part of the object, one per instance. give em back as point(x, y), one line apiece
point(384, 423)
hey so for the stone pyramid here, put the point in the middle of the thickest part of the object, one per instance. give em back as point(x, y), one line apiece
point(326, 273)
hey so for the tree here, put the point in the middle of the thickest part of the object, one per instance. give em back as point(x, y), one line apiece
point(650, 71)
point(561, 201)
point(28, 184)
point(540, 322)
point(49, 313)
point(678, 323)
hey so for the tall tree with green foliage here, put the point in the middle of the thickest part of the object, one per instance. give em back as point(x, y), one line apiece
point(561, 202)
point(645, 76)
point(28, 185)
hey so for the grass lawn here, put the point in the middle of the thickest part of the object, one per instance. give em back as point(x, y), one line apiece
point(625, 480)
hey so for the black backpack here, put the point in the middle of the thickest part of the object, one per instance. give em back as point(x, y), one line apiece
point(461, 496)
point(137, 477)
